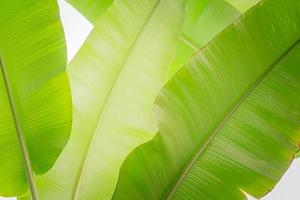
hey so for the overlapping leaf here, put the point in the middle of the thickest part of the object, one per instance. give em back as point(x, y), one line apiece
point(230, 120)
point(92, 88)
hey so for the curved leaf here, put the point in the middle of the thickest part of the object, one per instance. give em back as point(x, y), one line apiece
point(230, 120)
point(91, 9)
point(35, 101)
point(115, 78)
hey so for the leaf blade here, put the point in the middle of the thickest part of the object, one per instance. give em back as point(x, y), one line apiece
point(26, 44)
point(127, 55)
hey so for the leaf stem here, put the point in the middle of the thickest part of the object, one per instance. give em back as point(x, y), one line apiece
point(21, 139)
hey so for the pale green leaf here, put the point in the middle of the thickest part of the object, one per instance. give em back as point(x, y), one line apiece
point(35, 101)
point(115, 78)
point(230, 120)
point(91, 9)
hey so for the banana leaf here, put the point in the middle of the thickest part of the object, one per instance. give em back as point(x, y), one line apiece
point(35, 100)
point(115, 78)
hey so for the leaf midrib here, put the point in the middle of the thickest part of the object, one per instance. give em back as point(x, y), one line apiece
point(26, 158)
point(102, 112)
point(203, 147)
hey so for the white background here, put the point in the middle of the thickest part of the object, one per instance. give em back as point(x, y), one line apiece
point(77, 28)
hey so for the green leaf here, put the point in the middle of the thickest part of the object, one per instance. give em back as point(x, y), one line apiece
point(35, 101)
point(203, 21)
point(230, 120)
point(115, 78)
point(91, 9)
